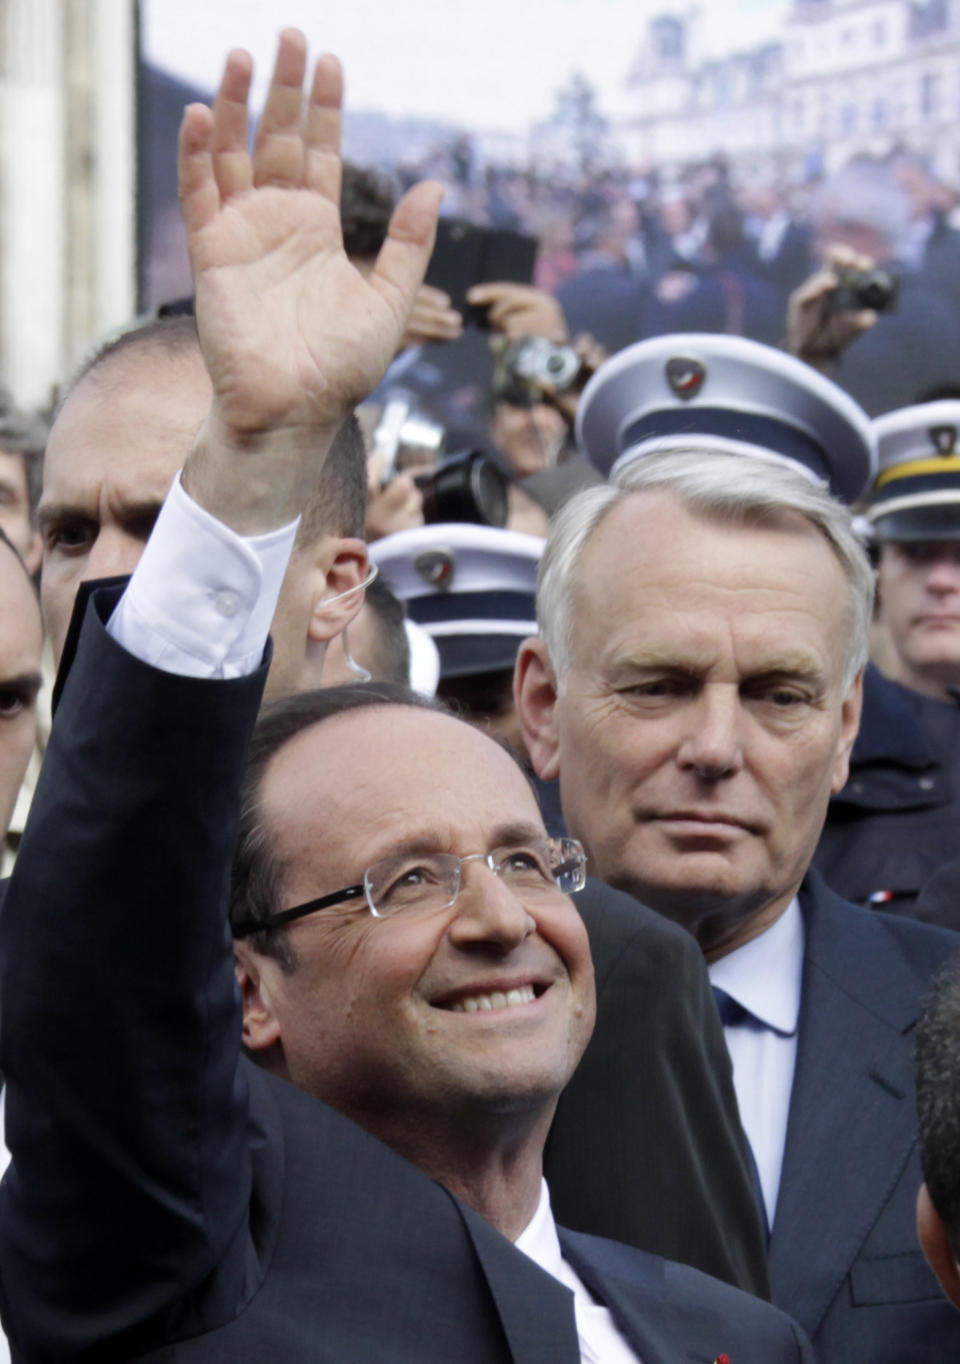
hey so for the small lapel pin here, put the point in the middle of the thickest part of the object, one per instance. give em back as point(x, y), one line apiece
point(722, 1359)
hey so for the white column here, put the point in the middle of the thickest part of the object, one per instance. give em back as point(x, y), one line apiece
point(114, 137)
point(31, 197)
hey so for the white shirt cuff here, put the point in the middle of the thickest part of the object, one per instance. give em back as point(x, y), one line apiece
point(201, 599)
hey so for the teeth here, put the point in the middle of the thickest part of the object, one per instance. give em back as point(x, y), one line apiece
point(470, 1005)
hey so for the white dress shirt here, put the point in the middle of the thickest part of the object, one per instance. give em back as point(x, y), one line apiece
point(201, 599)
point(600, 1340)
point(771, 236)
point(764, 976)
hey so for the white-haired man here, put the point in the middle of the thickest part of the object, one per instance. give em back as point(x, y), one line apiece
point(696, 688)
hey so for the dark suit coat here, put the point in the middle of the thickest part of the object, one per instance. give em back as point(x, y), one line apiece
point(167, 1201)
point(844, 1258)
point(905, 353)
point(792, 262)
point(613, 1160)
point(607, 301)
point(895, 822)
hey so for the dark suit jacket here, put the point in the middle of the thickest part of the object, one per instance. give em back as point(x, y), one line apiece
point(611, 1146)
point(166, 1200)
point(844, 1258)
point(607, 301)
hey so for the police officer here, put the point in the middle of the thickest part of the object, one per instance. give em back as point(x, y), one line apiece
point(895, 823)
point(472, 588)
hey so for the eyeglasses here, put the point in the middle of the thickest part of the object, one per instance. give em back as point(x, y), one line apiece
point(431, 881)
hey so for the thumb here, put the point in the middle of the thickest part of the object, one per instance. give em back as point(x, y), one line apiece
point(405, 254)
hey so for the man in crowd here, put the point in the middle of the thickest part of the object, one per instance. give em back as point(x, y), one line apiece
point(893, 826)
point(704, 623)
point(166, 1193)
point(862, 208)
point(21, 644)
point(22, 439)
point(120, 435)
point(125, 427)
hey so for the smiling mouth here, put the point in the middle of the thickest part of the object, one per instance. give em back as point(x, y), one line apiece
point(495, 999)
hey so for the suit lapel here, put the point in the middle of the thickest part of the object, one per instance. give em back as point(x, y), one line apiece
point(850, 1129)
point(535, 1310)
point(651, 1321)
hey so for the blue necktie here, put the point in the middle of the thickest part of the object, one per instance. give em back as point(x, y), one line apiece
point(731, 1013)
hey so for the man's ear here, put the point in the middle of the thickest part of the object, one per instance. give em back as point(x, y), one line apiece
point(535, 693)
point(850, 710)
point(340, 594)
point(261, 1027)
point(936, 1246)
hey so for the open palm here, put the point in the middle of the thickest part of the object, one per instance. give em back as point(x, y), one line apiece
point(292, 334)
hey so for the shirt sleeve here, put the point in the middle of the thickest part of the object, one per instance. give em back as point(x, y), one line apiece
point(201, 599)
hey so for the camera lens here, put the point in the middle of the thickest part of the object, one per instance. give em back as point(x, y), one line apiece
point(876, 290)
point(465, 487)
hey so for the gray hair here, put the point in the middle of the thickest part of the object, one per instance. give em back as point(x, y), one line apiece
point(735, 489)
point(865, 194)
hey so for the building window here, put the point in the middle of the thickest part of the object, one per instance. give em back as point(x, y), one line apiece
point(930, 84)
point(849, 117)
point(879, 33)
point(880, 113)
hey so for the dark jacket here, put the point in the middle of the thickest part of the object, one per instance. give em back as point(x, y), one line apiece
point(897, 820)
point(167, 1200)
point(670, 1171)
point(844, 1259)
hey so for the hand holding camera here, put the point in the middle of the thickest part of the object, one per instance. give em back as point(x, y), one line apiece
point(836, 304)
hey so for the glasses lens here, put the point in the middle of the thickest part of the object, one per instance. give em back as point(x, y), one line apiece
point(570, 865)
point(418, 881)
point(555, 863)
point(528, 868)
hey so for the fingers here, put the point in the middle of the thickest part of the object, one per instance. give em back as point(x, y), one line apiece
point(321, 170)
point(432, 318)
point(435, 299)
point(813, 288)
point(199, 195)
point(405, 254)
point(521, 310)
point(840, 257)
point(231, 160)
point(292, 148)
point(279, 152)
point(482, 294)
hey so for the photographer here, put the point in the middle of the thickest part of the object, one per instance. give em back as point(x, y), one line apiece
point(861, 219)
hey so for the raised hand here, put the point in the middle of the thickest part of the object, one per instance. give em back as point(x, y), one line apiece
point(815, 333)
point(292, 334)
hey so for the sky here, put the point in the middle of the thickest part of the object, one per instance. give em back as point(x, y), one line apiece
point(488, 64)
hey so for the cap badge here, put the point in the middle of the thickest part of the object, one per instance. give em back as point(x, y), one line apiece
point(944, 439)
point(685, 376)
point(436, 567)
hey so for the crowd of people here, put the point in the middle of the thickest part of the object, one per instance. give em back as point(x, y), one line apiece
point(718, 246)
point(487, 908)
